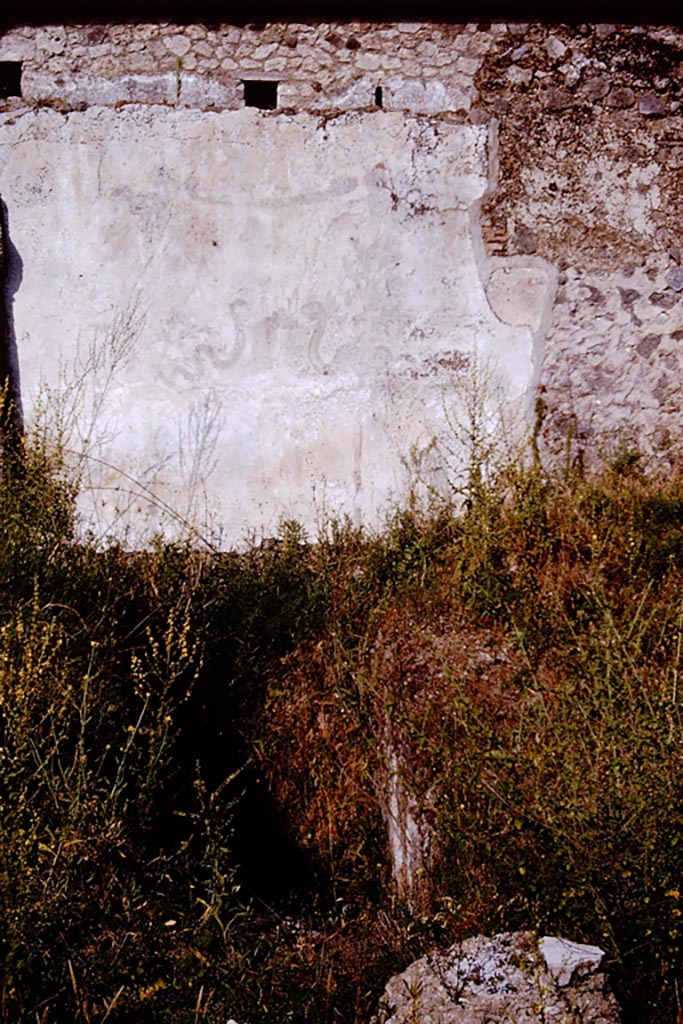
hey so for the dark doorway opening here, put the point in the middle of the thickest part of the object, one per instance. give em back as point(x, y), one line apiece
point(10, 78)
point(379, 101)
point(260, 94)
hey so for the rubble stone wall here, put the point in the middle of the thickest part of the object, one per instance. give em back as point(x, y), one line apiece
point(423, 68)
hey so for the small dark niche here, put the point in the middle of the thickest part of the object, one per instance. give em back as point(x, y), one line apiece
point(10, 78)
point(379, 99)
point(261, 94)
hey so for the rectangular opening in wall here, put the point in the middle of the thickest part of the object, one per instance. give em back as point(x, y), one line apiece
point(10, 78)
point(261, 94)
point(379, 99)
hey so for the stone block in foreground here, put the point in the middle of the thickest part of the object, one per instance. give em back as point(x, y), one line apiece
point(513, 978)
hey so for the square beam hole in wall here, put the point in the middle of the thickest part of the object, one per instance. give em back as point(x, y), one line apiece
point(259, 93)
point(10, 78)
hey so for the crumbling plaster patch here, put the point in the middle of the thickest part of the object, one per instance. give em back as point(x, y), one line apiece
point(520, 289)
point(520, 294)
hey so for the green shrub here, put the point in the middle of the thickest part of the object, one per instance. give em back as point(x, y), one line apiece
point(94, 674)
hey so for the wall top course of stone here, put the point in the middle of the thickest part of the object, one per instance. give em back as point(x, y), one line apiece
point(332, 55)
point(619, 66)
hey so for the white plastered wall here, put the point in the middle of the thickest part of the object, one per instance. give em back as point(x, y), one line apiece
point(260, 316)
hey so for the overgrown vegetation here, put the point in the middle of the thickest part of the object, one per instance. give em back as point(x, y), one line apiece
point(196, 750)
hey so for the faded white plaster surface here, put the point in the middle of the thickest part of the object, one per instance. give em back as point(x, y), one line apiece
point(38, 87)
point(260, 316)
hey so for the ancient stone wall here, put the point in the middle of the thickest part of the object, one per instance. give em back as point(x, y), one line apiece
point(590, 151)
point(422, 68)
point(533, 173)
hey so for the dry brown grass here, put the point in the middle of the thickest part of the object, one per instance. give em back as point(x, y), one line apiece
point(513, 672)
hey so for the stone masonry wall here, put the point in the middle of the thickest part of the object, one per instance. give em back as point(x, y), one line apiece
point(590, 140)
point(580, 229)
point(423, 68)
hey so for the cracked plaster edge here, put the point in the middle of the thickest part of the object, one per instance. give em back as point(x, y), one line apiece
point(488, 264)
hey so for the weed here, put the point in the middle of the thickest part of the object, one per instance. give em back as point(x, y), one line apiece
point(510, 673)
point(526, 657)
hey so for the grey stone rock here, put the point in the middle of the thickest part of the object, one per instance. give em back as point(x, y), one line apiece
point(555, 47)
point(567, 961)
point(628, 296)
point(519, 76)
point(675, 279)
point(648, 345)
point(207, 93)
point(595, 88)
point(92, 91)
point(665, 300)
point(558, 99)
point(51, 39)
point(651, 105)
point(520, 51)
point(178, 44)
point(622, 97)
point(572, 75)
point(513, 977)
point(526, 240)
point(425, 97)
